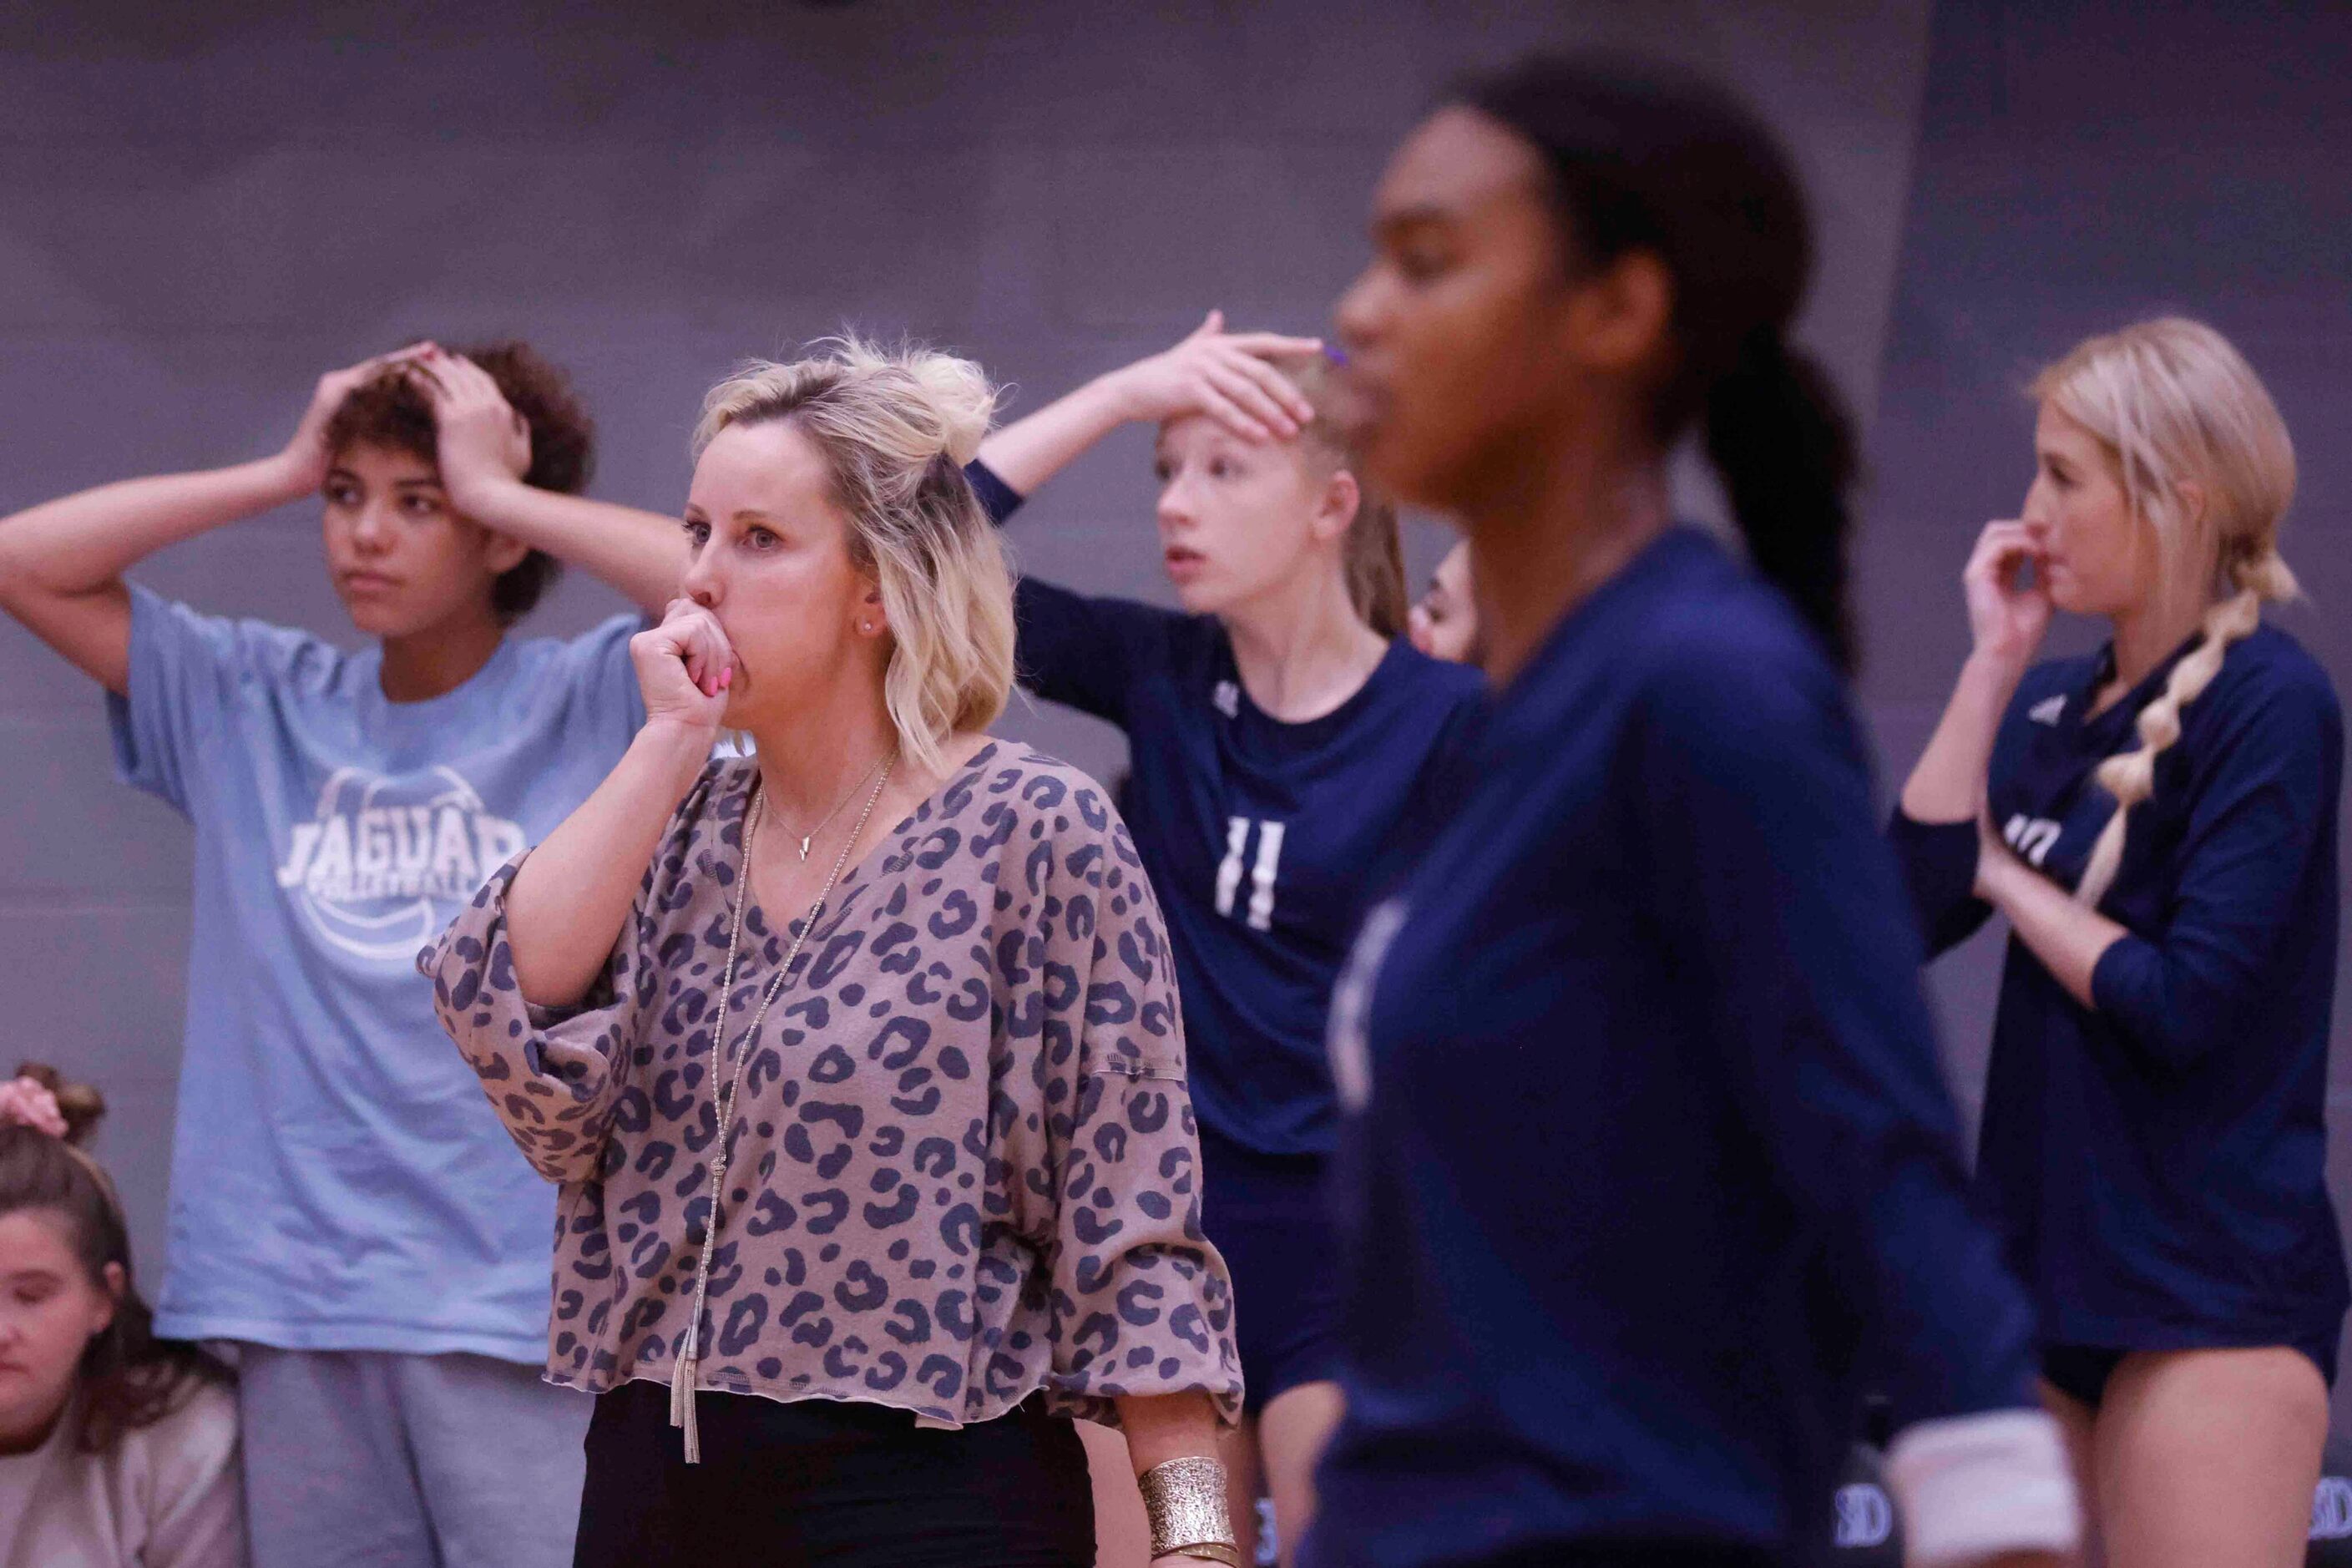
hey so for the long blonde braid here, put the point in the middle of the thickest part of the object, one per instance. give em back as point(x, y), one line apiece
point(2130, 777)
point(2177, 405)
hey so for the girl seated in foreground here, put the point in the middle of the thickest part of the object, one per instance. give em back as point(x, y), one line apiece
point(117, 1450)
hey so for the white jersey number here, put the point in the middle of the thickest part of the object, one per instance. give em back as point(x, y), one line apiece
point(2030, 837)
point(1260, 912)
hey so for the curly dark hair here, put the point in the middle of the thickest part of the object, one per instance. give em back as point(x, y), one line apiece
point(390, 411)
point(128, 1378)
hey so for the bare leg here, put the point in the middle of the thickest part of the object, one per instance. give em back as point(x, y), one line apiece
point(2209, 1459)
point(1292, 1432)
point(2077, 1422)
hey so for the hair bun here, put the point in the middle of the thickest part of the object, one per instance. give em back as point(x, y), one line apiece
point(78, 1104)
point(959, 393)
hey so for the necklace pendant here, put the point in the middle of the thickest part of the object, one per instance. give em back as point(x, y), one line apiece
point(804, 847)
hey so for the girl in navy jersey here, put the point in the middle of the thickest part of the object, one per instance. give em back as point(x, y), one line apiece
point(1278, 726)
point(2158, 823)
point(1649, 1154)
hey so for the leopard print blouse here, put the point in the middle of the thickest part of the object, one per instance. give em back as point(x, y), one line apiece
point(970, 1169)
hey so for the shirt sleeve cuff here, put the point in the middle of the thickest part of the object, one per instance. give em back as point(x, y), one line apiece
point(1001, 500)
point(2124, 973)
point(1939, 864)
point(1972, 1487)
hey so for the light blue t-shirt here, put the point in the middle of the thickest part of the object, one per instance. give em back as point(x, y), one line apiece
point(338, 1182)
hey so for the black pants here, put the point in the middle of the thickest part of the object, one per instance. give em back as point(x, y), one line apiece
point(844, 1486)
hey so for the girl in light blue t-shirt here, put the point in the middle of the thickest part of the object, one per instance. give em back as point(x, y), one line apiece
point(346, 1212)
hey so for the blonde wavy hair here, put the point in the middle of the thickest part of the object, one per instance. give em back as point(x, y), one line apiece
point(1372, 554)
point(895, 428)
point(2179, 411)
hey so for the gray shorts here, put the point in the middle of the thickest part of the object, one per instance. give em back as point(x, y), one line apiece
point(371, 1460)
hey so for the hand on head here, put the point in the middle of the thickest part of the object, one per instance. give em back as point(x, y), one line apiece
point(1229, 377)
point(28, 1102)
point(306, 457)
point(481, 439)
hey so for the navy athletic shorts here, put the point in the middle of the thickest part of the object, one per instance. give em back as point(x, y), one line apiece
point(2081, 1371)
point(1268, 1217)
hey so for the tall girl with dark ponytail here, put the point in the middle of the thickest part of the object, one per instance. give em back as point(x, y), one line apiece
point(2158, 823)
point(1648, 1153)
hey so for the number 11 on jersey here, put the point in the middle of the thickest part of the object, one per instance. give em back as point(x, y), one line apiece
point(1260, 914)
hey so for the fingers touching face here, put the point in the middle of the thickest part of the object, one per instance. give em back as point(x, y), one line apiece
point(772, 563)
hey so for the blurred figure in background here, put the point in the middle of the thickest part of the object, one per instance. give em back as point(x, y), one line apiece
point(2157, 823)
point(345, 1210)
point(1648, 1149)
point(1444, 620)
point(1281, 729)
point(117, 1449)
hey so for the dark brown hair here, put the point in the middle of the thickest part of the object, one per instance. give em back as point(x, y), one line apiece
point(1644, 157)
point(128, 1378)
point(390, 411)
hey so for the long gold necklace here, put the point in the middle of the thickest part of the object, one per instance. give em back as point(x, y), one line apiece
point(682, 1377)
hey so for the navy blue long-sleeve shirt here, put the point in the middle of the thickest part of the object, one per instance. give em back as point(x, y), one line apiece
point(1265, 840)
point(1650, 1151)
point(2157, 1161)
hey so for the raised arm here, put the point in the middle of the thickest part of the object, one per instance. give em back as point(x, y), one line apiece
point(2007, 619)
point(573, 895)
point(484, 449)
point(1227, 375)
point(61, 562)
point(1934, 833)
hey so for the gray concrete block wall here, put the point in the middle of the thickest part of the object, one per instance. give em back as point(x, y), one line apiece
point(202, 207)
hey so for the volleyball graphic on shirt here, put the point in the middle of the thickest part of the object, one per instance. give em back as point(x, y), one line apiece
point(386, 863)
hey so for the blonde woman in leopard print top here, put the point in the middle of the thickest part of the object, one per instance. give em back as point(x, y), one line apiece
point(957, 1196)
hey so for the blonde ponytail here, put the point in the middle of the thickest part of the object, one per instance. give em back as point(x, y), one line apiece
point(1372, 557)
point(2131, 777)
point(895, 428)
point(2175, 406)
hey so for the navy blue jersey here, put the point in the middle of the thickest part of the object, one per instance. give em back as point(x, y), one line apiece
point(1265, 840)
point(2157, 1161)
point(1650, 1151)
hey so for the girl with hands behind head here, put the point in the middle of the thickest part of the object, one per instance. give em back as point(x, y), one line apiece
point(2158, 821)
point(346, 805)
point(117, 1450)
point(1282, 728)
point(862, 1049)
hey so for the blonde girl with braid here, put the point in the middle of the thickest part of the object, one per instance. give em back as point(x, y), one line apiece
point(2158, 821)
